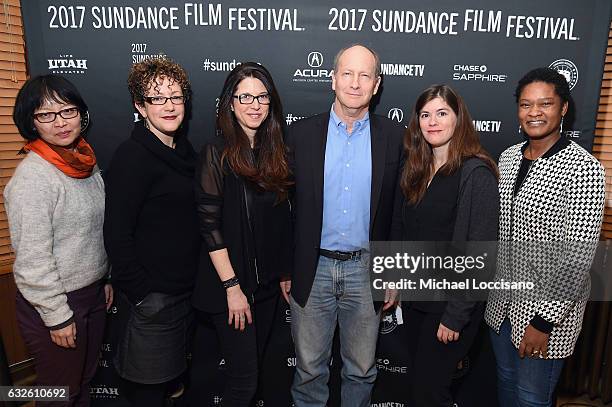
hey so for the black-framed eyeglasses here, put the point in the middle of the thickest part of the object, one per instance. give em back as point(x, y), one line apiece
point(48, 117)
point(247, 99)
point(161, 100)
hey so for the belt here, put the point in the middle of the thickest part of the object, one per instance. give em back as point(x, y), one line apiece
point(338, 255)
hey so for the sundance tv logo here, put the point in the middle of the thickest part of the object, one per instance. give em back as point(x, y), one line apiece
point(314, 73)
point(67, 64)
point(568, 69)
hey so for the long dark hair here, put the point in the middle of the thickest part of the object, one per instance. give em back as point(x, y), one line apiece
point(419, 154)
point(270, 171)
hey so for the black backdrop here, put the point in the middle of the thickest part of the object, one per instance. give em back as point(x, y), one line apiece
point(480, 47)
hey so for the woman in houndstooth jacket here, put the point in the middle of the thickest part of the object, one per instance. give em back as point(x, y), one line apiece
point(552, 198)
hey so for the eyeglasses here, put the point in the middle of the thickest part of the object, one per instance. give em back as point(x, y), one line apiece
point(161, 100)
point(247, 99)
point(48, 117)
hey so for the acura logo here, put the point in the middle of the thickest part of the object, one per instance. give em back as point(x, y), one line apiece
point(396, 114)
point(315, 59)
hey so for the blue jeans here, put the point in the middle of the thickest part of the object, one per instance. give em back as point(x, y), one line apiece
point(526, 382)
point(340, 294)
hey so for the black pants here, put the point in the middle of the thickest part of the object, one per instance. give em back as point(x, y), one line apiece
point(144, 395)
point(78, 365)
point(434, 363)
point(243, 351)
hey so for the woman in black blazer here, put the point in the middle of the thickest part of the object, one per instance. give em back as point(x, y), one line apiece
point(242, 187)
point(448, 194)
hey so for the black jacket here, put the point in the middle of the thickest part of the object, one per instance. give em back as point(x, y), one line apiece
point(247, 221)
point(150, 226)
point(477, 220)
point(306, 140)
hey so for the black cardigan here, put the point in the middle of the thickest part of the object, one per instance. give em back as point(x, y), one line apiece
point(477, 219)
point(260, 246)
point(150, 227)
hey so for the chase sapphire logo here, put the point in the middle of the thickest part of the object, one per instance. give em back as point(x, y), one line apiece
point(315, 59)
point(568, 69)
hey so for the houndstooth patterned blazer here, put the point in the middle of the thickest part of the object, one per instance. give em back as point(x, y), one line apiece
point(560, 202)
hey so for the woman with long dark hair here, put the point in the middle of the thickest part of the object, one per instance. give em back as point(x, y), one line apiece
point(243, 181)
point(447, 179)
point(552, 202)
point(55, 208)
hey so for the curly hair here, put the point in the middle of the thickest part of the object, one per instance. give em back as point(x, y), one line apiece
point(546, 75)
point(155, 70)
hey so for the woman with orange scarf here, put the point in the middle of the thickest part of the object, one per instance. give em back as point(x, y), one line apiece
point(55, 207)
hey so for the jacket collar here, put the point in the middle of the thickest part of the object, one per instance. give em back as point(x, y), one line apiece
point(182, 158)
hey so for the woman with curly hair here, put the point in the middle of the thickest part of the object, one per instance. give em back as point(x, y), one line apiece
point(243, 181)
point(151, 233)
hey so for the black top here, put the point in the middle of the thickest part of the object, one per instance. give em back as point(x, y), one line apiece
point(151, 226)
point(526, 163)
point(468, 201)
point(433, 219)
point(246, 220)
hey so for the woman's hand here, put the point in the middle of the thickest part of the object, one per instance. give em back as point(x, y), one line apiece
point(64, 337)
point(108, 295)
point(447, 335)
point(534, 343)
point(239, 309)
point(285, 287)
point(390, 298)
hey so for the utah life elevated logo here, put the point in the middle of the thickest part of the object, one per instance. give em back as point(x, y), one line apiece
point(314, 73)
point(67, 64)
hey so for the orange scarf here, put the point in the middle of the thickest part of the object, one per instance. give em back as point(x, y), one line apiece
point(77, 163)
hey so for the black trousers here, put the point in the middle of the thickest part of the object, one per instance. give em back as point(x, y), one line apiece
point(434, 363)
point(243, 351)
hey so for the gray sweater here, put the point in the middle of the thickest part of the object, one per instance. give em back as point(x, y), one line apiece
point(56, 231)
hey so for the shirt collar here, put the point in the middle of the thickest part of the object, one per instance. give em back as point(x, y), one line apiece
point(359, 124)
point(554, 149)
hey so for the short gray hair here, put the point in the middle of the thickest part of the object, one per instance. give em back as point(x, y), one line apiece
point(357, 44)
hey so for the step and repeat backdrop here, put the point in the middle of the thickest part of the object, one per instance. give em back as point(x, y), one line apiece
point(479, 47)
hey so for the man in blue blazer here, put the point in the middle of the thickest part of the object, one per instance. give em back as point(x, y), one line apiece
point(346, 163)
